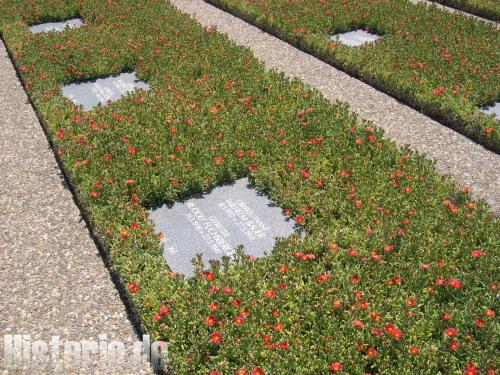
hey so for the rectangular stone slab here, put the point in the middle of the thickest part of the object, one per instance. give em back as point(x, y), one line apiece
point(56, 26)
point(492, 110)
point(103, 90)
point(355, 38)
point(216, 222)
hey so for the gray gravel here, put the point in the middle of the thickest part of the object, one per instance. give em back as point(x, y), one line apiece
point(52, 278)
point(469, 163)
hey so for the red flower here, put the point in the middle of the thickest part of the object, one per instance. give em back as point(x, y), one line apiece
point(441, 282)
point(305, 257)
point(337, 304)
point(411, 302)
point(271, 293)
point(336, 367)
point(471, 369)
point(239, 320)
point(241, 371)
point(450, 331)
point(446, 316)
point(211, 321)
point(284, 346)
point(478, 253)
point(216, 337)
point(213, 306)
point(164, 310)
point(209, 276)
point(393, 331)
point(134, 226)
point(258, 371)
point(455, 283)
point(414, 350)
point(376, 332)
point(133, 287)
point(480, 323)
point(305, 173)
point(358, 324)
point(215, 372)
point(300, 219)
point(438, 91)
point(334, 247)
point(323, 277)
point(353, 252)
point(253, 167)
point(279, 327)
point(490, 313)
point(219, 160)
point(213, 289)
point(355, 279)
point(454, 345)
point(95, 194)
point(372, 352)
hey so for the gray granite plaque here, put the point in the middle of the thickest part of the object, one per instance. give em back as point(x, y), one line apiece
point(56, 26)
point(103, 90)
point(355, 38)
point(492, 110)
point(214, 223)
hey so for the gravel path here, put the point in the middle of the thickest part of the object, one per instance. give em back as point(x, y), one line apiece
point(469, 163)
point(53, 281)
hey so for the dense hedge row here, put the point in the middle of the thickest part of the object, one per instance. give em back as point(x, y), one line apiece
point(396, 274)
point(443, 64)
point(483, 8)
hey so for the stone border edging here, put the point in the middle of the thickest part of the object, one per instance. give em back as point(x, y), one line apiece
point(454, 10)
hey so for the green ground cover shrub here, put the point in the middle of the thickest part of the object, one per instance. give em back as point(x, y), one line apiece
point(445, 65)
point(397, 272)
point(484, 8)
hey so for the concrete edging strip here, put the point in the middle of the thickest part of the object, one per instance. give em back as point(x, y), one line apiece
point(454, 10)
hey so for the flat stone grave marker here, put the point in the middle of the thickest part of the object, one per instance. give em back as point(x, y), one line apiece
point(215, 223)
point(103, 90)
point(56, 26)
point(355, 38)
point(492, 110)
